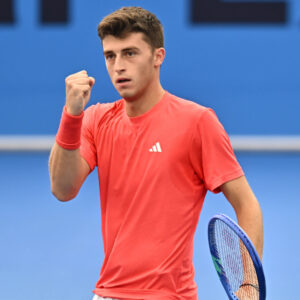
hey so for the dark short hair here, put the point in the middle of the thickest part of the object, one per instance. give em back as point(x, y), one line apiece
point(132, 19)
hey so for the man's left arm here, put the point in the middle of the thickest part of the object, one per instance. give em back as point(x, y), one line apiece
point(247, 209)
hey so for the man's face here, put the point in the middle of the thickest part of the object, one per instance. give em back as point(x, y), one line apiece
point(130, 64)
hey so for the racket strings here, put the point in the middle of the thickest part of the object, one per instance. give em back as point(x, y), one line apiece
point(249, 288)
point(236, 263)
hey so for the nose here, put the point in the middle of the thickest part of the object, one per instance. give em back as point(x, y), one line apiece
point(119, 64)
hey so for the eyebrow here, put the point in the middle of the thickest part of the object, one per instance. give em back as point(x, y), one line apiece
point(123, 50)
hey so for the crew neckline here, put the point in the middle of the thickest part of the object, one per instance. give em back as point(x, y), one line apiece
point(138, 119)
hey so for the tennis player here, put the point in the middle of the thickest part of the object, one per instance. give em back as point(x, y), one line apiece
point(157, 156)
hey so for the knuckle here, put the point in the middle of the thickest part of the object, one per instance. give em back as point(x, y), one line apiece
point(85, 89)
point(76, 89)
point(69, 84)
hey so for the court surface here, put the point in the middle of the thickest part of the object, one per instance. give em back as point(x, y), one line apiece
point(52, 250)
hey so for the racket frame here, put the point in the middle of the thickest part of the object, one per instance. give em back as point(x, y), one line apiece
point(249, 246)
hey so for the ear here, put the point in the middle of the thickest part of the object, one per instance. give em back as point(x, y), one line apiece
point(159, 56)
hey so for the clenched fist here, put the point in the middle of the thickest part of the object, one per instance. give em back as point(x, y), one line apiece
point(78, 92)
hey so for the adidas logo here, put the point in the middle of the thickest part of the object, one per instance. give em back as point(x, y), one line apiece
point(155, 148)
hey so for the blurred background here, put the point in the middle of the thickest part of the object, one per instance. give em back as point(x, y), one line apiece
point(239, 57)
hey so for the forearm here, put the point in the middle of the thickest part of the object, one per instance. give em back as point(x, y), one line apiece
point(251, 220)
point(67, 172)
point(67, 168)
point(247, 209)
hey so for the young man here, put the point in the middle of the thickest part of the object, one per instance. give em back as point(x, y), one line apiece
point(157, 155)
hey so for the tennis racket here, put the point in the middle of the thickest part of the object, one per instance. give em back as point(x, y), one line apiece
point(236, 260)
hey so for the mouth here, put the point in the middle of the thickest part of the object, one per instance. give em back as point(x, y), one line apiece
point(122, 82)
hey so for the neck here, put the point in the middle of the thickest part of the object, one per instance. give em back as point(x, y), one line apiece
point(145, 101)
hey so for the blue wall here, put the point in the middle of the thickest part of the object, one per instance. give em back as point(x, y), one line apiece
point(248, 73)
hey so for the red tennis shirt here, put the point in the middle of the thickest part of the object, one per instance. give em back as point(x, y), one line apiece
point(154, 171)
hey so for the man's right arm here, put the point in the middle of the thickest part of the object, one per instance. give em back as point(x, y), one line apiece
point(68, 170)
point(67, 167)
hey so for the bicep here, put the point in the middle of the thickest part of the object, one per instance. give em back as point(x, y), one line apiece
point(238, 192)
point(85, 169)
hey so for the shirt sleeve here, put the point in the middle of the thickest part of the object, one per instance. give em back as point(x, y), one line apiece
point(88, 148)
point(212, 154)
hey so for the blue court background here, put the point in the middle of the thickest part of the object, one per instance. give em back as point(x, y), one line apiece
point(248, 74)
point(53, 250)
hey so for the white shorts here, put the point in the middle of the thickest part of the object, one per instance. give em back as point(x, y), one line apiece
point(96, 297)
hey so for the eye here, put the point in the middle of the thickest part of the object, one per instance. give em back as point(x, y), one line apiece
point(109, 56)
point(130, 53)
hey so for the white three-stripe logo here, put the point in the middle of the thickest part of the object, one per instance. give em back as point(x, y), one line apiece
point(156, 148)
